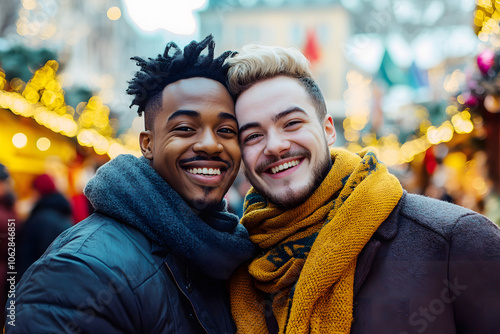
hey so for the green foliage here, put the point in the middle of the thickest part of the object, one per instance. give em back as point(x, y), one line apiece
point(21, 62)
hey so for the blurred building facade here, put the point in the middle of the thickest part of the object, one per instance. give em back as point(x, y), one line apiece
point(317, 28)
point(387, 69)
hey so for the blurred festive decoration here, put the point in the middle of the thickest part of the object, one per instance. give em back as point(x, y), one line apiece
point(486, 17)
point(485, 61)
point(482, 87)
point(359, 132)
point(312, 48)
point(42, 98)
point(479, 101)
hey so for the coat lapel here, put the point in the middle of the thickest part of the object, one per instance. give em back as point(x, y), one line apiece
point(387, 231)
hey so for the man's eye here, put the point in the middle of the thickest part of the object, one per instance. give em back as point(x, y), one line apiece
point(251, 137)
point(227, 130)
point(292, 123)
point(183, 128)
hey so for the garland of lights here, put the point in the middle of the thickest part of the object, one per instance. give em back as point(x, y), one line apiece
point(390, 150)
point(42, 99)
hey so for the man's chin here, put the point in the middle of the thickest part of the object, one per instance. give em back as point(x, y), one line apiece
point(288, 200)
point(205, 203)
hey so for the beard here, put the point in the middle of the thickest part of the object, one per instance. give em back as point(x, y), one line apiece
point(205, 202)
point(288, 198)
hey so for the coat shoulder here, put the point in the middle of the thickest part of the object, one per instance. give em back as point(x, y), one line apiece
point(115, 245)
point(436, 215)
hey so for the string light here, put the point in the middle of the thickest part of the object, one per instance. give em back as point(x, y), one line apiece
point(486, 19)
point(42, 98)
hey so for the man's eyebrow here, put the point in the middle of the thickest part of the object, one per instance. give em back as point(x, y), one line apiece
point(287, 112)
point(248, 126)
point(225, 115)
point(275, 118)
point(183, 112)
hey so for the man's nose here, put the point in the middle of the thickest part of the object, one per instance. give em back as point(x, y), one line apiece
point(208, 143)
point(276, 144)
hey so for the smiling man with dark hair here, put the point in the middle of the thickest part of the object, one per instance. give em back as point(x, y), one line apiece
point(156, 254)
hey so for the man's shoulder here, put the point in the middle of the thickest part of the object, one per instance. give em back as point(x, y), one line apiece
point(101, 239)
point(436, 215)
point(97, 231)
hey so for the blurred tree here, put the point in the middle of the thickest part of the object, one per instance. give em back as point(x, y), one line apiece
point(77, 94)
point(21, 62)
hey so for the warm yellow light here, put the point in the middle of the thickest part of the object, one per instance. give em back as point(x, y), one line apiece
point(446, 132)
point(353, 147)
point(359, 121)
point(114, 13)
point(483, 37)
point(455, 160)
point(462, 123)
point(351, 135)
point(43, 144)
point(101, 145)
point(29, 4)
point(19, 140)
point(451, 110)
point(480, 185)
point(48, 31)
point(2, 80)
point(114, 150)
point(390, 156)
point(354, 77)
point(85, 137)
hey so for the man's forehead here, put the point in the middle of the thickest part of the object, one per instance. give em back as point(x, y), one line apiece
point(280, 92)
point(192, 86)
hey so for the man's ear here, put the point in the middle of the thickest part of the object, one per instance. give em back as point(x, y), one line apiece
point(330, 133)
point(146, 140)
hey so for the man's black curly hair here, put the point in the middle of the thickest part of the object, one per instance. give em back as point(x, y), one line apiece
point(155, 74)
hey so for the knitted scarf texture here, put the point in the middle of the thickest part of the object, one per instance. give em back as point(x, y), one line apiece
point(129, 190)
point(309, 253)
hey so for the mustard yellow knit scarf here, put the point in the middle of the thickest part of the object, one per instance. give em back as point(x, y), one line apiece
point(309, 253)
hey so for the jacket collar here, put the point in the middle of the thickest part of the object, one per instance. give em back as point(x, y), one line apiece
point(389, 228)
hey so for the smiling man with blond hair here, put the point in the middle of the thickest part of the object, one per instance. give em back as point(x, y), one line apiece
point(343, 248)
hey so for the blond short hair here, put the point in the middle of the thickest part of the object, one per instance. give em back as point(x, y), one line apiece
point(258, 62)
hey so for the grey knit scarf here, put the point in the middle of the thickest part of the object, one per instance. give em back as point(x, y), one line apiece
point(129, 190)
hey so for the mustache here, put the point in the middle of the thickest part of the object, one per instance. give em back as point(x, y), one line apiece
point(202, 158)
point(261, 167)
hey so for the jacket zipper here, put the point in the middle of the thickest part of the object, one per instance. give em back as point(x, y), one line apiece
point(192, 306)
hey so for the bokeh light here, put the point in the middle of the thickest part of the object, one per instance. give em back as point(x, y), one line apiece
point(43, 144)
point(19, 140)
point(114, 13)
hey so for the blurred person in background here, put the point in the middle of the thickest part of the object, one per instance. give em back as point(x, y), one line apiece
point(156, 254)
point(343, 248)
point(50, 216)
point(8, 220)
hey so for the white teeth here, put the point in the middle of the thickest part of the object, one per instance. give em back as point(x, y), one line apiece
point(284, 166)
point(204, 171)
